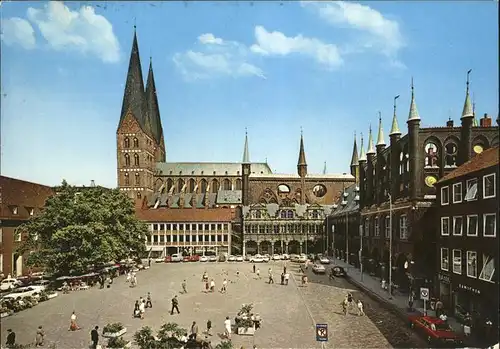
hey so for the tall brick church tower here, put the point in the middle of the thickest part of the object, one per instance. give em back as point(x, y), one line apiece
point(139, 137)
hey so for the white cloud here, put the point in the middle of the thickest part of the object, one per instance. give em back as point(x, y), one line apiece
point(82, 30)
point(382, 33)
point(209, 38)
point(277, 43)
point(19, 31)
point(214, 58)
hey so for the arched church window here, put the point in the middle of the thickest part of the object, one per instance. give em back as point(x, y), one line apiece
point(215, 186)
point(136, 143)
point(127, 179)
point(203, 185)
point(192, 185)
point(431, 155)
point(227, 184)
point(170, 183)
point(238, 184)
point(126, 142)
point(137, 179)
point(136, 159)
point(127, 160)
point(451, 154)
point(180, 185)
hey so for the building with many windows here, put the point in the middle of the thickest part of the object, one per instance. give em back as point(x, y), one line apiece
point(467, 242)
point(19, 201)
point(399, 180)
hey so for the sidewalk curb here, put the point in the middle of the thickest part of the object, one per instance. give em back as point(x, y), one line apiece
point(383, 301)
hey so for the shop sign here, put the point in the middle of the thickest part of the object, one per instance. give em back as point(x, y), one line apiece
point(469, 288)
point(444, 278)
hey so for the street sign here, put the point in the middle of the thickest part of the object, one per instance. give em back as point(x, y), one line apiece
point(322, 332)
point(424, 293)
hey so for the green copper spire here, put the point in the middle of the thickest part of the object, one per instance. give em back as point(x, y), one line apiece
point(413, 115)
point(371, 149)
point(380, 137)
point(468, 111)
point(395, 127)
point(355, 159)
point(246, 153)
point(362, 156)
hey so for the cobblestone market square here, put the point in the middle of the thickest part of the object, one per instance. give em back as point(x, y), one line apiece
point(288, 312)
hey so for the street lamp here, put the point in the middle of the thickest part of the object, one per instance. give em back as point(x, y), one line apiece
point(390, 246)
point(360, 252)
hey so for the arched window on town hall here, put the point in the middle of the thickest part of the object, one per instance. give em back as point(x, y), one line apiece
point(136, 143)
point(127, 160)
point(451, 154)
point(431, 155)
point(137, 179)
point(238, 184)
point(203, 186)
point(215, 186)
point(227, 184)
point(127, 179)
point(136, 159)
point(126, 142)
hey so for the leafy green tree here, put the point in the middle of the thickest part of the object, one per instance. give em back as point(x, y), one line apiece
point(82, 227)
point(145, 339)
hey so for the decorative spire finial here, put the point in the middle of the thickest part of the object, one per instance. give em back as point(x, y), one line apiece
point(362, 156)
point(395, 127)
point(468, 111)
point(246, 153)
point(413, 115)
point(371, 148)
point(355, 158)
point(380, 137)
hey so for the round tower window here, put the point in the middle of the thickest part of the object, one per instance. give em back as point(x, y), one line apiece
point(319, 190)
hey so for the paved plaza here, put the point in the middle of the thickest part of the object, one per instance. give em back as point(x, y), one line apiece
point(288, 312)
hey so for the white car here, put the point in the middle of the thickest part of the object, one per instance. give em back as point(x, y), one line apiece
point(285, 257)
point(212, 258)
point(203, 259)
point(231, 259)
point(22, 292)
point(266, 258)
point(239, 258)
point(324, 260)
point(42, 285)
point(160, 260)
point(256, 259)
point(277, 257)
point(318, 269)
point(9, 284)
point(302, 259)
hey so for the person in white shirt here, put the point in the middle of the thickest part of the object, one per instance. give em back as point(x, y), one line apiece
point(227, 328)
point(360, 308)
point(443, 317)
point(212, 285)
point(287, 276)
point(142, 308)
point(224, 286)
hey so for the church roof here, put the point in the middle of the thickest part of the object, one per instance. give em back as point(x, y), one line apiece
point(208, 168)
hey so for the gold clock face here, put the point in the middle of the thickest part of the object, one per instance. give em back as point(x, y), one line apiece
point(430, 181)
point(478, 149)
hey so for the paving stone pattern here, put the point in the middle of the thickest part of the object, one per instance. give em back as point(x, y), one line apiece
point(288, 312)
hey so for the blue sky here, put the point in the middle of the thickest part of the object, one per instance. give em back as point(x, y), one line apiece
point(220, 67)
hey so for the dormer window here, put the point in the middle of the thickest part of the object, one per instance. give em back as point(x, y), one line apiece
point(225, 172)
point(202, 172)
point(192, 172)
point(214, 173)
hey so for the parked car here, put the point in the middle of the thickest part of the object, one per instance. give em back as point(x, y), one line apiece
point(9, 284)
point(437, 331)
point(256, 259)
point(231, 259)
point(203, 259)
point(247, 257)
point(42, 285)
point(276, 257)
point(22, 292)
point(160, 260)
point(266, 258)
point(318, 269)
point(302, 259)
point(324, 260)
point(212, 258)
point(338, 271)
point(239, 258)
point(194, 258)
point(176, 257)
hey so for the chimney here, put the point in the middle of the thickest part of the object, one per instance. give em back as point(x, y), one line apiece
point(92, 183)
point(485, 121)
point(449, 123)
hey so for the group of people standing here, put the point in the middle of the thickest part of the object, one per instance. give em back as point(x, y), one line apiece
point(349, 302)
point(141, 305)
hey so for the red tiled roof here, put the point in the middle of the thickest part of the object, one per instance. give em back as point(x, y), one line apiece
point(185, 214)
point(487, 158)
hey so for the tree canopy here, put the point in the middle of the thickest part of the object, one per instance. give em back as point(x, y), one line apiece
point(82, 227)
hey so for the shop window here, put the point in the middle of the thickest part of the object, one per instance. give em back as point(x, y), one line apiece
point(488, 269)
point(445, 196)
point(471, 194)
point(377, 227)
point(472, 225)
point(472, 264)
point(444, 259)
point(490, 225)
point(457, 193)
point(489, 186)
point(457, 261)
point(457, 225)
point(403, 228)
point(445, 226)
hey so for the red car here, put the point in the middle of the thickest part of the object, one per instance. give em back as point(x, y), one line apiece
point(437, 331)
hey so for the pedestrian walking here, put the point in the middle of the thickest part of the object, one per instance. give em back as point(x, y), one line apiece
point(227, 328)
point(129, 276)
point(184, 287)
point(287, 276)
point(11, 338)
point(40, 336)
point(209, 327)
point(175, 305)
point(137, 312)
point(224, 286)
point(282, 278)
point(258, 273)
point(344, 306)
point(284, 269)
point(207, 286)
point(142, 308)
point(254, 268)
point(194, 331)
point(72, 324)
point(271, 280)
point(149, 304)
point(94, 337)
point(212, 285)
point(360, 308)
